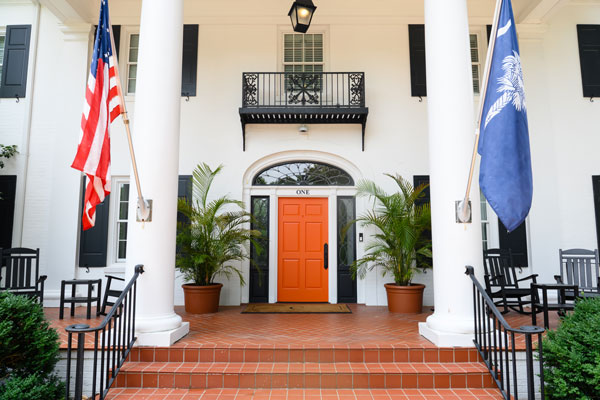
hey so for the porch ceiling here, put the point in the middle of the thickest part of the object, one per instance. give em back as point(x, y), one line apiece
point(257, 12)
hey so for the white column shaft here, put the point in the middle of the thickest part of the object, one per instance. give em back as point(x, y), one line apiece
point(156, 142)
point(451, 138)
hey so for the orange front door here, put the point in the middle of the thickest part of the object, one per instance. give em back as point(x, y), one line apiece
point(301, 273)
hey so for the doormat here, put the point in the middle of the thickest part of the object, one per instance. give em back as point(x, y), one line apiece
point(297, 308)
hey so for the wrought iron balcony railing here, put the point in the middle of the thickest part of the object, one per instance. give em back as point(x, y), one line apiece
point(303, 97)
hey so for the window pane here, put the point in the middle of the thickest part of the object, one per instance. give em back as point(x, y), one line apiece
point(346, 243)
point(318, 40)
point(124, 195)
point(288, 68)
point(2, 38)
point(308, 40)
point(308, 68)
point(123, 207)
point(122, 230)
point(260, 210)
point(476, 78)
point(318, 68)
point(288, 55)
point(319, 55)
point(308, 55)
point(131, 86)
point(298, 40)
point(303, 173)
point(474, 52)
point(288, 40)
point(132, 71)
point(297, 55)
point(122, 250)
point(133, 55)
point(134, 40)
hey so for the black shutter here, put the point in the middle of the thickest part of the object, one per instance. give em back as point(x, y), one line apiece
point(8, 186)
point(589, 58)
point(516, 241)
point(93, 243)
point(16, 59)
point(116, 34)
point(189, 66)
point(418, 77)
point(489, 32)
point(596, 187)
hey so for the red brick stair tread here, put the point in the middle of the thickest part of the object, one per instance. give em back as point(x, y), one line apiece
point(304, 394)
point(306, 368)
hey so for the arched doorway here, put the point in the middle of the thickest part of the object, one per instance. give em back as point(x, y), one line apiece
point(302, 207)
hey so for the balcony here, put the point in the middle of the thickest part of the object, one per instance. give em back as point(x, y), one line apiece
point(303, 98)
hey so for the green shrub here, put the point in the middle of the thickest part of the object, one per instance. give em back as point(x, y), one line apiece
point(32, 387)
point(572, 355)
point(29, 350)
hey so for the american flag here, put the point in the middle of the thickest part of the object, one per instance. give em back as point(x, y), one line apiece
point(100, 108)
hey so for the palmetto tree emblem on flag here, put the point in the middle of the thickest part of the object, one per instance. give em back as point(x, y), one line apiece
point(511, 87)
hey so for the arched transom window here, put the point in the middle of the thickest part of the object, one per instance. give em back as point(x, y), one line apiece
point(303, 173)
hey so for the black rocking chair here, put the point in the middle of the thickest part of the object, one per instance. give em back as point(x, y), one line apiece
point(501, 281)
point(579, 267)
point(110, 294)
point(20, 272)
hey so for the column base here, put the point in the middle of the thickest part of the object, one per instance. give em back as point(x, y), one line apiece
point(163, 338)
point(445, 339)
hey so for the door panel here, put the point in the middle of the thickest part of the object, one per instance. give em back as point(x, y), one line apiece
point(302, 235)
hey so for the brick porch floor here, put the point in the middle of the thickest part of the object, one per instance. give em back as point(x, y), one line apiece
point(369, 354)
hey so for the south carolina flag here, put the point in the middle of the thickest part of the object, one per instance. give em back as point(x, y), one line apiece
point(505, 172)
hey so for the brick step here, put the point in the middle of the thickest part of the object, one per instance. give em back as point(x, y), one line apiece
point(301, 394)
point(304, 354)
point(304, 375)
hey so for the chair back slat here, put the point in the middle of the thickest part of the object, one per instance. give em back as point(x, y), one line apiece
point(499, 266)
point(580, 267)
point(19, 269)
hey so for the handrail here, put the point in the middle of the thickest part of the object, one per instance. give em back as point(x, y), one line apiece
point(113, 339)
point(496, 342)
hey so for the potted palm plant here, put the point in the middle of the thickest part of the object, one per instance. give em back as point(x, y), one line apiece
point(214, 235)
point(401, 244)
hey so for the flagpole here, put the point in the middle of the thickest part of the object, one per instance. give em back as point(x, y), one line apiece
point(464, 210)
point(144, 207)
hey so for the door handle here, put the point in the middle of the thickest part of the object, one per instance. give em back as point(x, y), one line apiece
point(325, 256)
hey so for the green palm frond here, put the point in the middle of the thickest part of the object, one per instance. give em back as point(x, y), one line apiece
point(399, 244)
point(216, 234)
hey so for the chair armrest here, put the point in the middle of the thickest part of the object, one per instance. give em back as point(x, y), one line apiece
point(532, 277)
point(558, 279)
point(115, 277)
point(42, 278)
point(495, 278)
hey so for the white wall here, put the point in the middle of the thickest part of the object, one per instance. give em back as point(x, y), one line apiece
point(563, 125)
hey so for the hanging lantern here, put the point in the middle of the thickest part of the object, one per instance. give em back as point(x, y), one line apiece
point(301, 14)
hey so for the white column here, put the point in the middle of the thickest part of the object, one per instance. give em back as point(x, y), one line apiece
point(451, 138)
point(156, 142)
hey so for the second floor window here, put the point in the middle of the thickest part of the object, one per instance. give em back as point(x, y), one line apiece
point(303, 52)
point(475, 62)
point(132, 58)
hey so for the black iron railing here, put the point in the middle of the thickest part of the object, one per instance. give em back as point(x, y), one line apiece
point(113, 339)
point(496, 342)
point(303, 89)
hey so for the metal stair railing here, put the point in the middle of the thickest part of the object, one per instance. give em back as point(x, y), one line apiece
point(113, 339)
point(496, 342)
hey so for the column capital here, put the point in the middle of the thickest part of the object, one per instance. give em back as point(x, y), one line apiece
point(76, 32)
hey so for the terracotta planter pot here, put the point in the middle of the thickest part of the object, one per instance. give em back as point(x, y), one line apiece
point(201, 299)
point(405, 299)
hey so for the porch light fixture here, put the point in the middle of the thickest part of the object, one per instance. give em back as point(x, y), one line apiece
point(301, 14)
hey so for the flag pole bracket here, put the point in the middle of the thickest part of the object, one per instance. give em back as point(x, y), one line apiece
point(464, 214)
point(144, 210)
